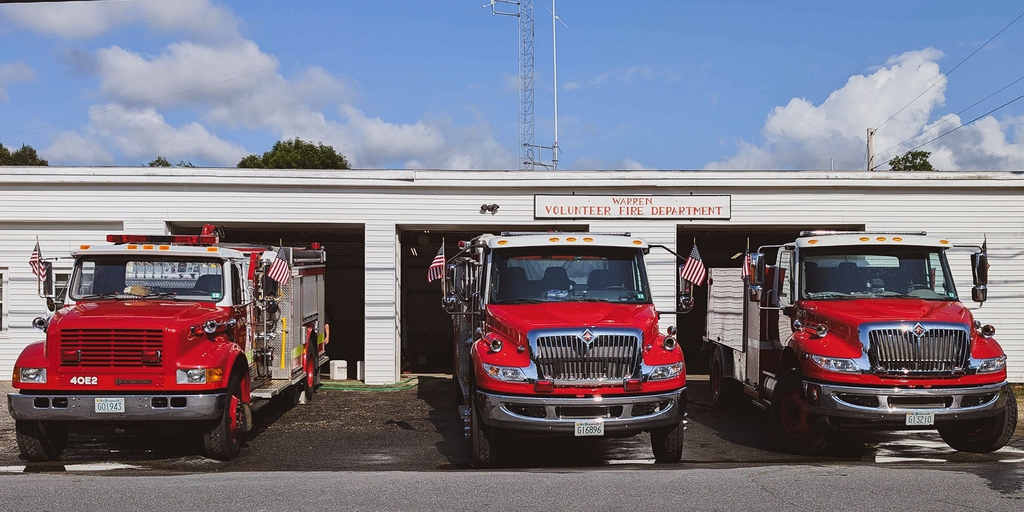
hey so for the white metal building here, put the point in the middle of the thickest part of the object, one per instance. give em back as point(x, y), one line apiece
point(385, 226)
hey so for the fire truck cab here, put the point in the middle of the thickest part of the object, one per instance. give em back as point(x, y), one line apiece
point(157, 329)
point(556, 335)
point(860, 330)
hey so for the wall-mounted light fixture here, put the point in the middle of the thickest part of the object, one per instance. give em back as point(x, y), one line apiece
point(493, 208)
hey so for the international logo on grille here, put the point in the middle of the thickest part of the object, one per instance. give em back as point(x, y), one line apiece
point(587, 336)
point(919, 330)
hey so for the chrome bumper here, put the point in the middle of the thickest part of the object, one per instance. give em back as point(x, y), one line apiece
point(559, 414)
point(893, 404)
point(136, 407)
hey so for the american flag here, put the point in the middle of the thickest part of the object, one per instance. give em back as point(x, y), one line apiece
point(37, 263)
point(693, 270)
point(279, 270)
point(436, 269)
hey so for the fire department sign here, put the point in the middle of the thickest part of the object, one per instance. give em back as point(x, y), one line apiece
point(631, 207)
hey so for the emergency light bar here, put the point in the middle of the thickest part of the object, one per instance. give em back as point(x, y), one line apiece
point(163, 239)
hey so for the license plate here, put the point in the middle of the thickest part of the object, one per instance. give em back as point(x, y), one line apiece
point(110, 405)
point(920, 418)
point(589, 428)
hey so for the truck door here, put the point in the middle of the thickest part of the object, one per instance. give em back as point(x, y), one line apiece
point(786, 292)
point(241, 306)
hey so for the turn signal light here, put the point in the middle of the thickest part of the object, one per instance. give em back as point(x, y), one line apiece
point(544, 386)
point(632, 385)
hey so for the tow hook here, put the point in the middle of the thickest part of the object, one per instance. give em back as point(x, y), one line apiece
point(465, 412)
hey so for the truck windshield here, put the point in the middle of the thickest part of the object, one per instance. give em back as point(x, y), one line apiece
point(850, 272)
point(113, 277)
point(567, 274)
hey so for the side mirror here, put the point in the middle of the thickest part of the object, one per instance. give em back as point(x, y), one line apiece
point(754, 293)
point(979, 293)
point(685, 302)
point(757, 264)
point(979, 266)
point(450, 303)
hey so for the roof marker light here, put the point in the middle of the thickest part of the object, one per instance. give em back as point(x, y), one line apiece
point(148, 247)
point(570, 239)
point(637, 242)
point(944, 242)
point(165, 247)
point(812, 241)
point(553, 239)
point(211, 249)
point(864, 239)
point(588, 239)
point(502, 242)
point(897, 239)
point(880, 239)
point(133, 246)
point(84, 247)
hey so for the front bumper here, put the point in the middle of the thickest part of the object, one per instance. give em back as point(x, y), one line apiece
point(45, 407)
point(893, 404)
point(620, 414)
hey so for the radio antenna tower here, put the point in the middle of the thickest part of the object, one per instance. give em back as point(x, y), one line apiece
point(528, 151)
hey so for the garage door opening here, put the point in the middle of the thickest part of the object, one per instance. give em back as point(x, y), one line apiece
point(724, 248)
point(427, 337)
point(343, 280)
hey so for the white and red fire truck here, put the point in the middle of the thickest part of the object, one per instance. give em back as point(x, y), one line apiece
point(860, 330)
point(157, 329)
point(556, 334)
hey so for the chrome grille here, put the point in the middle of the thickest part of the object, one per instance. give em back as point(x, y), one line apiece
point(899, 350)
point(110, 348)
point(569, 358)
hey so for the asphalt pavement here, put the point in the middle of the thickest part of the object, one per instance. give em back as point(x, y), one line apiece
point(414, 426)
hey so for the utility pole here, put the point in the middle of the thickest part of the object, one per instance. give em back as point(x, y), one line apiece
point(554, 61)
point(871, 149)
point(530, 154)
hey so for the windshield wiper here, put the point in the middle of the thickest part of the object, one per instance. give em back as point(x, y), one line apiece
point(518, 301)
point(828, 295)
point(161, 295)
point(108, 295)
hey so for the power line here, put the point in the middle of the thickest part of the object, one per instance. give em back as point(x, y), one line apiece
point(1018, 98)
point(943, 77)
point(950, 118)
point(122, 107)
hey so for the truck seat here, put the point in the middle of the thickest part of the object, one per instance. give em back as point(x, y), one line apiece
point(514, 284)
point(555, 278)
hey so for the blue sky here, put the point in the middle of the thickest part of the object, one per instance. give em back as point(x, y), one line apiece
point(417, 84)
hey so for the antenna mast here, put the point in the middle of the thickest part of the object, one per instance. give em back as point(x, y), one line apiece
point(528, 151)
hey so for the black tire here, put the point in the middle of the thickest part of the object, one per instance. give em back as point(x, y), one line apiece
point(667, 444)
point(41, 441)
point(486, 443)
point(795, 428)
point(223, 437)
point(983, 436)
point(725, 391)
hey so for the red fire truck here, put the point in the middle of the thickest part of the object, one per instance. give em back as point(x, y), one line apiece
point(860, 330)
point(556, 334)
point(157, 329)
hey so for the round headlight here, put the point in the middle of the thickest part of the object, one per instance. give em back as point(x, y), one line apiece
point(988, 330)
point(821, 330)
point(669, 343)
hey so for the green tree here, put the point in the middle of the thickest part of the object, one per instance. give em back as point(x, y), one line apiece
point(296, 154)
point(912, 161)
point(162, 162)
point(24, 156)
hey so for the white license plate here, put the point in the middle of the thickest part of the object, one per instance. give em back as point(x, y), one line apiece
point(589, 428)
point(110, 405)
point(920, 418)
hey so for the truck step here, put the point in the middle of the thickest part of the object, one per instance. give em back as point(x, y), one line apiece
point(270, 389)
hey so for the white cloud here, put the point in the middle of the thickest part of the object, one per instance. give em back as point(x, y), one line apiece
point(80, 20)
point(630, 164)
point(139, 136)
point(801, 135)
point(185, 72)
point(15, 72)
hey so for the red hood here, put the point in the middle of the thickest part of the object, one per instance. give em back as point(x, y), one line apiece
point(135, 311)
point(858, 311)
point(552, 315)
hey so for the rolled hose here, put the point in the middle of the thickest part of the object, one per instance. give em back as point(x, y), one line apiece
point(409, 383)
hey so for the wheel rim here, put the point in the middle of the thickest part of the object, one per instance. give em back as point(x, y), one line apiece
point(797, 417)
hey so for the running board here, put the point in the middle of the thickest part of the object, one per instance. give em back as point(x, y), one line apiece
point(271, 389)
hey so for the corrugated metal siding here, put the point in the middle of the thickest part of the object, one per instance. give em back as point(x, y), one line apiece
point(381, 304)
point(22, 302)
point(960, 206)
point(725, 307)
